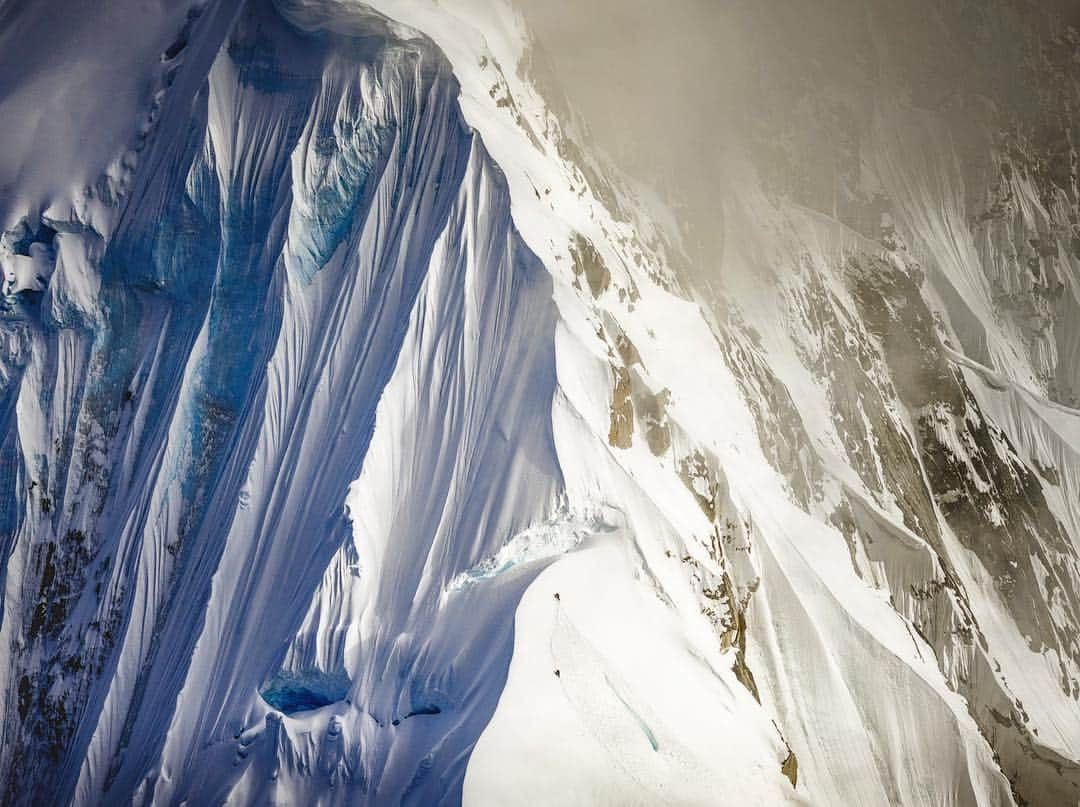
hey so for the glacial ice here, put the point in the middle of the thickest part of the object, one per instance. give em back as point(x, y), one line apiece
point(303, 691)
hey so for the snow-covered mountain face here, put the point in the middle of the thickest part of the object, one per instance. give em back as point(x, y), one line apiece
point(363, 442)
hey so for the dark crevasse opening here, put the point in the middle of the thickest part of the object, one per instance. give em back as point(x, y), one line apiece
point(292, 692)
point(422, 710)
point(175, 49)
point(44, 234)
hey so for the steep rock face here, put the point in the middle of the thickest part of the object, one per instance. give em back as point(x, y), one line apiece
point(360, 445)
point(931, 295)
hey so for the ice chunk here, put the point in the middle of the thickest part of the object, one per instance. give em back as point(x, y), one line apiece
point(561, 533)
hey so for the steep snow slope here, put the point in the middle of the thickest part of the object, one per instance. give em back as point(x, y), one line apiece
point(360, 445)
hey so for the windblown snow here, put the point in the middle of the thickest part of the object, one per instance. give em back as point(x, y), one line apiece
point(363, 442)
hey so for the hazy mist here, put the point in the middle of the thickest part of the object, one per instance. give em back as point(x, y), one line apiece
point(669, 89)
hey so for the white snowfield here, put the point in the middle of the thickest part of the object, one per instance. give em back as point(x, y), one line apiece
point(359, 444)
